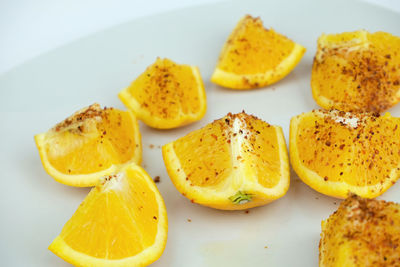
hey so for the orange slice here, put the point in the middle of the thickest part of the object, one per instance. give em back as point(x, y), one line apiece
point(91, 143)
point(362, 232)
point(234, 163)
point(167, 95)
point(255, 57)
point(357, 71)
point(336, 152)
point(121, 222)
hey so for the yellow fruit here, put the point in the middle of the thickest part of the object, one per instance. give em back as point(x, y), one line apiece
point(357, 71)
point(255, 57)
point(167, 95)
point(234, 163)
point(122, 222)
point(91, 143)
point(337, 152)
point(362, 232)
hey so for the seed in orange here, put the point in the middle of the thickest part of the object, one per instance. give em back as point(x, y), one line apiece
point(357, 71)
point(91, 143)
point(234, 163)
point(337, 152)
point(121, 222)
point(255, 57)
point(167, 95)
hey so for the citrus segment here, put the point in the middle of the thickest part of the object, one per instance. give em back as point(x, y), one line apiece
point(122, 222)
point(362, 232)
point(255, 57)
point(236, 162)
point(166, 95)
point(337, 152)
point(89, 144)
point(357, 71)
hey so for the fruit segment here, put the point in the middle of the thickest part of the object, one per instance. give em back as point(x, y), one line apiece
point(236, 162)
point(255, 57)
point(362, 232)
point(357, 71)
point(166, 95)
point(91, 143)
point(122, 222)
point(338, 152)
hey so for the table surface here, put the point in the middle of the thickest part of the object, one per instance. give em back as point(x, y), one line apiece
point(31, 28)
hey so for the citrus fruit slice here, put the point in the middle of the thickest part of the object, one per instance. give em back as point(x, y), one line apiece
point(91, 143)
point(121, 222)
point(234, 163)
point(337, 152)
point(167, 95)
point(357, 71)
point(255, 57)
point(362, 232)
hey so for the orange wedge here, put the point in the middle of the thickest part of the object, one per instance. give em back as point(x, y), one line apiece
point(357, 71)
point(337, 152)
point(167, 95)
point(255, 57)
point(362, 232)
point(91, 143)
point(234, 163)
point(121, 222)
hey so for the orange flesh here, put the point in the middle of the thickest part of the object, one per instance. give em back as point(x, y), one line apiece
point(93, 156)
point(251, 48)
point(206, 154)
point(167, 89)
point(364, 79)
point(362, 156)
point(94, 145)
point(361, 232)
point(265, 152)
point(117, 128)
point(124, 220)
point(209, 150)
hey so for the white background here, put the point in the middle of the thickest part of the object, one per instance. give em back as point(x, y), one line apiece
point(30, 28)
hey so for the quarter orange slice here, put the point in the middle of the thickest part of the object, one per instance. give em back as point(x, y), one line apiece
point(337, 152)
point(91, 143)
point(121, 222)
point(357, 71)
point(362, 232)
point(234, 163)
point(255, 57)
point(167, 95)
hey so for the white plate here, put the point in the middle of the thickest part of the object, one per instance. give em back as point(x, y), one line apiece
point(42, 92)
